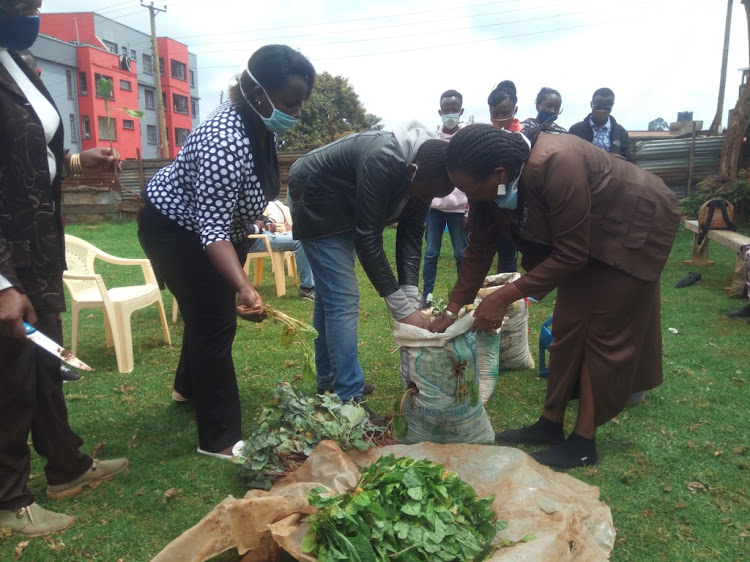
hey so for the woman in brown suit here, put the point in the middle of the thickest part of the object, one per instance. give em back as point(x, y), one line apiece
point(596, 228)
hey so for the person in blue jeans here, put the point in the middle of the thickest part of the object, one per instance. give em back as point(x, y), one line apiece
point(277, 226)
point(450, 211)
point(343, 196)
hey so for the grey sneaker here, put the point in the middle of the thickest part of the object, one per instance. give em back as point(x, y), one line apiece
point(99, 472)
point(307, 293)
point(34, 521)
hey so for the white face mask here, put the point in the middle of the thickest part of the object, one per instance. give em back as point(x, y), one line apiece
point(450, 120)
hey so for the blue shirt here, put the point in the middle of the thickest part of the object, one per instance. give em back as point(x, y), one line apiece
point(601, 136)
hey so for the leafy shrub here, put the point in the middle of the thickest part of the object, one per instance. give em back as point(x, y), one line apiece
point(736, 192)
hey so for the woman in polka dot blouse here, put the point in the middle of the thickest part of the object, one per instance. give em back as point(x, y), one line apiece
point(194, 226)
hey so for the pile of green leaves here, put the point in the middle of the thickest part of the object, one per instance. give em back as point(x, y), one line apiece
point(292, 425)
point(403, 510)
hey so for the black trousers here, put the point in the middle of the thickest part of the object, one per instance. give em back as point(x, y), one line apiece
point(205, 373)
point(31, 400)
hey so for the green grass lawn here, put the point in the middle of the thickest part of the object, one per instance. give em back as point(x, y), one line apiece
point(675, 471)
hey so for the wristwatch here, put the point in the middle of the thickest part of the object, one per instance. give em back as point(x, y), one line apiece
point(449, 315)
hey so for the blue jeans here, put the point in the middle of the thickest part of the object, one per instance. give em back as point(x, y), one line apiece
point(285, 243)
point(433, 234)
point(336, 314)
point(507, 255)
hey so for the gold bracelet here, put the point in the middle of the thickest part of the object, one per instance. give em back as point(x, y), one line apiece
point(75, 165)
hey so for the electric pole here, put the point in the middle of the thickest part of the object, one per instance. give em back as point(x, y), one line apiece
point(163, 141)
point(714, 130)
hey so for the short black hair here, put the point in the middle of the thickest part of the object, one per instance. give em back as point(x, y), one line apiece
point(19, 7)
point(478, 149)
point(452, 94)
point(503, 91)
point(604, 92)
point(544, 92)
point(431, 158)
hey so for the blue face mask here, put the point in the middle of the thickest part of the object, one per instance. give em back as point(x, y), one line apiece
point(546, 117)
point(278, 122)
point(509, 198)
point(450, 120)
point(18, 33)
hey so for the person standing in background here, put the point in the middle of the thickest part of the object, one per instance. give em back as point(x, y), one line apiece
point(450, 211)
point(601, 129)
point(548, 103)
point(32, 260)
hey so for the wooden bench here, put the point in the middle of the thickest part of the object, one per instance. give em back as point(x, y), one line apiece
point(732, 240)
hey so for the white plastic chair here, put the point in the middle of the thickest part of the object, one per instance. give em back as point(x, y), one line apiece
point(87, 290)
point(277, 265)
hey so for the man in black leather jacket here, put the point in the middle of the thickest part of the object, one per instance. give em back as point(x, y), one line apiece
point(601, 129)
point(343, 196)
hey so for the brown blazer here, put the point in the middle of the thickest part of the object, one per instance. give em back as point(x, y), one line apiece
point(580, 204)
point(31, 234)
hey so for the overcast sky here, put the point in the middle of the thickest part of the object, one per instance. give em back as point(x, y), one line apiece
point(659, 56)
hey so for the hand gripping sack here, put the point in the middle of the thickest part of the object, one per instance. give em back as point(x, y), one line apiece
point(442, 402)
point(515, 354)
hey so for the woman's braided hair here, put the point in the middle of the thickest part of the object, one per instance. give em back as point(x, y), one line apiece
point(479, 149)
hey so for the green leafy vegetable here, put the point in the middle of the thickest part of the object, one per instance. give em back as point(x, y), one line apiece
point(292, 425)
point(403, 510)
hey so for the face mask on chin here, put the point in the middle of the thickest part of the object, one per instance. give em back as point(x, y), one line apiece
point(18, 33)
point(450, 120)
point(503, 123)
point(279, 122)
point(508, 198)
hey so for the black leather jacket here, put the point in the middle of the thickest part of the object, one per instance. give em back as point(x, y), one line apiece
point(361, 183)
point(618, 136)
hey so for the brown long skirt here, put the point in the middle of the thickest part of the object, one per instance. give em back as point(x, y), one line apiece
point(612, 320)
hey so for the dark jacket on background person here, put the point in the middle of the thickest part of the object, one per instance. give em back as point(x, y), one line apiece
point(618, 136)
point(361, 183)
point(31, 234)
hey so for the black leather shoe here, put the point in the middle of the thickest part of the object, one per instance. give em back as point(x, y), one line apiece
point(688, 280)
point(743, 312)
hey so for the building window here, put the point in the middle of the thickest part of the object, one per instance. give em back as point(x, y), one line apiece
point(194, 108)
point(128, 124)
point(124, 50)
point(179, 69)
point(98, 77)
point(161, 66)
point(148, 64)
point(111, 47)
point(73, 129)
point(164, 100)
point(85, 127)
point(107, 128)
point(126, 85)
point(192, 79)
point(132, 54)
point(180, 103)
point(82, 84)
point(151, 134)
point(180, 136)
point(150, 98)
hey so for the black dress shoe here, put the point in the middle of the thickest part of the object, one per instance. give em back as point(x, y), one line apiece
point(67, 374)
point(743, 312)
point(688, 280)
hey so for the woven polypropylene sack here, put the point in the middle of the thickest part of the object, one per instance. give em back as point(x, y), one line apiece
point(437, 412)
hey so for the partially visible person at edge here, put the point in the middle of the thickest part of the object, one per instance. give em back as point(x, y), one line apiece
point(32, 260)
point(548, 103)
point(194, 225)
point(343, 196)
point(503, 103)
point(450, 211)
point(603, 249)
point(276, 224)
point(601, 129)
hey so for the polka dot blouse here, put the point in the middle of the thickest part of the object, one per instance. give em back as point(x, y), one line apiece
point(211, 188)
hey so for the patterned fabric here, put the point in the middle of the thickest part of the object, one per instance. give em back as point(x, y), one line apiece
point(601, 136)
point(212, 187)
